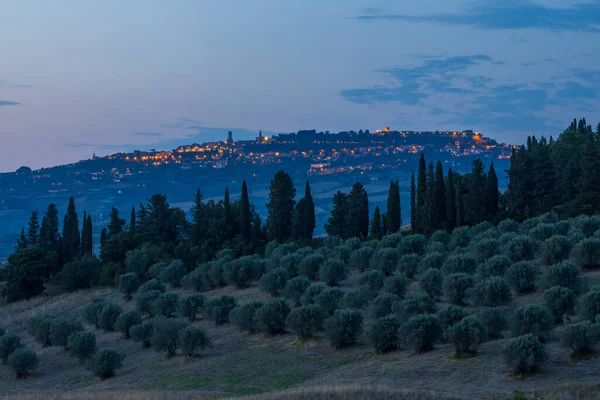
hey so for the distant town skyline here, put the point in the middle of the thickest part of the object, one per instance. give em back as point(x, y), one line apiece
point(78, 77)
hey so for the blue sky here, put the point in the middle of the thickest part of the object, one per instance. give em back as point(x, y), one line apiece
point(78, 76)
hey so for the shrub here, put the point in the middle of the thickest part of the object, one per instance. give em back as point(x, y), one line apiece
point(192, 339)
point(420, 303)
point(392, 240)
point(588, 224)
point(385, 260)
point(166, 304)
point(290, 263)
point(92, 310)
point(126, 320)
point(61, 328)
point(495, 266)
point(491, 292)
point(522, 275)
point(43, 328)
point(195, 280)
point(581, 338)
point(82, 344)
point(508, 225)
point(431, 282)
point(486, 249)
point(128, 284)
point(218, 309)
point(565, 274)
point(441, 236)
point(494, 320)
point(525, 354)
point(225, 255)
point(543, 232)
point(456, 286)
point(359, 258)
point(105, 362)
point(2, 332)
point(165, 334)
point(214, 271)
point(560, 301)
point(586, 253)
point(422, 332)
point(575, 236)
point(155, 269)
point(396, 284)
point(520, 248)
point(173, 273)
point(309, 266)
point(144, 301)
point(413, 244)
point(295, 288)
point(310, 294)
point(432, 260)
point(332, 272)
point(534, 318)
point(409, 265)
point(466, 335)
point(555, 249)
point(461, 236)
point(151, 285)
point(344, 327)
point(357, 298)
point(305, 321)
point(274, 281)
point(143, 333)
point(242, 271)
point(81, 273)
point(189, 306)
point(270, 318)
point(372, 278)
point(461, 263)
point(450, 315)
point(108, 316)
point(329, 299)
point(589, 304)
point(22, 361)
point(382, 305)
point(243, 316)
point(384, 333)
point(8, 344)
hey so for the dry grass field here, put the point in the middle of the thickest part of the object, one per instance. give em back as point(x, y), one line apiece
point(278, 367)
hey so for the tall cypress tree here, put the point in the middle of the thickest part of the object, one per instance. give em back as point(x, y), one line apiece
point(421, 195)
point(492, 192)
point(82, 243)
point(394, 219)
point(429, 223)
point(115, 224)
point(90, 235)
point(338, 220)
point(70, 235)
point(475, 202)
point(198, 218)
point(49, 236)
point(460, 205)
point(450, 201)
point(281, 207)
point(588, 184)
point(132, 222)
point(228, 216)
point(245, 214)
point(440, 196)
point(308, 218)
point(376, 224)
point(413, 203)
point(33, 235)
point(22, 240)
point(357, 224)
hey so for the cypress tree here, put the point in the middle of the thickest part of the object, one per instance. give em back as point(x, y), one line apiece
point(198, 218)
point(357, 224)
point(84, 236)
point(228, 216)
point(421, 195)
point(429, 223)
point(450, 202)
point(475, 202)
point(103, 237)
point(281, 207)
point(87, 244)
point(492, 192)
point(33, 235)
point(544, 179)
point(22, 240)
point(460, 216)
point(49, 236)
point(257, 234)
point(588, 184)
point(413, 203)
point(440, 196)
point(132, 222)
point(393, 208)
point(337, 222)
point(376, 224)
point(245, 214)
point(70, 235)
point(115, 224)
point(308, 217)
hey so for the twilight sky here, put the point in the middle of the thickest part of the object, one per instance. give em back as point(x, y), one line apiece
point(82, 76)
